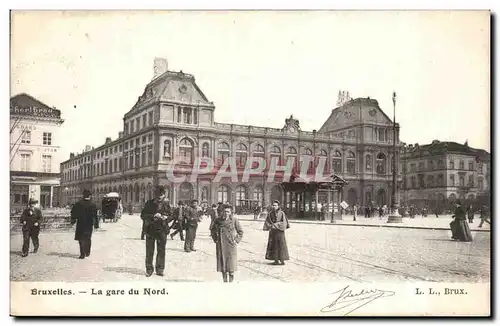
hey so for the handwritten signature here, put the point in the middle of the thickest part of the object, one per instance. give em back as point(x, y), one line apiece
point(347, 301)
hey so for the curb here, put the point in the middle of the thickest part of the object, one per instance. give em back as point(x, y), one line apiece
point(371, 225)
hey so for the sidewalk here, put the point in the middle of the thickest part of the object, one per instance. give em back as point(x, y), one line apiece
point(429, 222)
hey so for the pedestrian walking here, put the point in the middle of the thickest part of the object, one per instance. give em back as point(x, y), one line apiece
point(276, 223)
point(484, 216)
point(178, 224)
point(156, 214)
point(226, 232)
point(192, 220)
point(30, 221)
point(459, 228)
point(355, 212)
point(84, 214)
point(470, 214)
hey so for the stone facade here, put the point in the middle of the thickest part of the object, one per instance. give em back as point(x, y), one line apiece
point(438, 174)
point(173, 120)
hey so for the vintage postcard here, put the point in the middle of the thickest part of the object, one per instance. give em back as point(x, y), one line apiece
point(250, 163)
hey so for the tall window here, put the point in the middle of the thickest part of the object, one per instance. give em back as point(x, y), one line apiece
point(150, 154)
point(461, 181)
point(138, 123)
point(144, 158)
point(461, 165)
point(111, 166)
point(167, 148)
point(116, 164)
point(241, 195)
point(144, 122)
point(451, 165)
point(452, 180)
point(275, 154)
point(150, 118)
point(430, 181)
point(351, 163)
point(47, 163)
point(337, 162)
point(292, 153)
point(471, 166)
point(440, 164)
point(471, 181)
point(309, 152)
point(47, 138)
point(480, 184)
point(381, 134)
point(137, 163)
point(26, 138)
point(223, 194)
point(368, 163)
point(131, 126)
point(204, 194)
point(179, 115)
point(421, 181)
point(258, 194)
point(440, 180)
point(205, 150)
point(195, 116)
point(258, 152)
point(222, 152)
point(25, 162)
point(186, 151)
point(187, 115)
point(241, 155)
point(381, 163)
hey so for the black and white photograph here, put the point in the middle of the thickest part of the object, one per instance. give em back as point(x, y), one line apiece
point(338, 159)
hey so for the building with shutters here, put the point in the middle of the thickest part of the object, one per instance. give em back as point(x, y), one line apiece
point(174, 120)
point(34, 152)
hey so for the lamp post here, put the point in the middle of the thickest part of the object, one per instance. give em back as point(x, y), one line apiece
point(394, 217)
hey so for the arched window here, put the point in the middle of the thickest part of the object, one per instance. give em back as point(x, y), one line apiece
point(308, 151)
point(258, 194)
point(351, 163)
point(381, 163)
point(292, 154)
point(337, 162)
point(186, 151)
point(167, 148)
point(241, 155)
point(223, 194)
point(241, 195)
point(205, 150)
point(291, 151)
point(258, 151)
point(222, 152)
point(275, 154)
point(368, 162)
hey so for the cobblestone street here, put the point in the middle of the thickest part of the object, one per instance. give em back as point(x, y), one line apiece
point(319, 253)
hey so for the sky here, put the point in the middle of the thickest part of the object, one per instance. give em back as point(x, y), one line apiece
point(260, 67)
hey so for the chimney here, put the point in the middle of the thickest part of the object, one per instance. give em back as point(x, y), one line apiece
point(160, 67)
point(108, 140)
point(71, 155)
point(120, 134)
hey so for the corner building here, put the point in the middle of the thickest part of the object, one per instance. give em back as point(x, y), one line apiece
point(173, 119)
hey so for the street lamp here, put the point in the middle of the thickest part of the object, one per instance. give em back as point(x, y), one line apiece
point(394, 217)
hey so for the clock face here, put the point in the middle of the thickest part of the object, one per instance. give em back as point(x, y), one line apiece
point(183, 89)
point(292, 129)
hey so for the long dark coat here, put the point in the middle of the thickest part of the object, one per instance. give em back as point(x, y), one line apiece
point(31, 216)
point(276, 222)
point(84, 214)
point(459, 228)
point(156, 228)
point(226, 233)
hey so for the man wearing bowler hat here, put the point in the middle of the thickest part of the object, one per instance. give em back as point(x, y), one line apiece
point(30, 220)
point(156, 214)
point(84, 214)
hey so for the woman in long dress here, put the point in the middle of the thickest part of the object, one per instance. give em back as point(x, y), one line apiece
point(226, 232)
point(459, 228)
point(276, 223)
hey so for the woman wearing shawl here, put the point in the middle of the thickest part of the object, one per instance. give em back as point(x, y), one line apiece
point(459, 227)
point(276, 223)
point(226, 232)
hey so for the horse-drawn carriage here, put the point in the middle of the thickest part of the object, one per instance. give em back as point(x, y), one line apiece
point(111, 207)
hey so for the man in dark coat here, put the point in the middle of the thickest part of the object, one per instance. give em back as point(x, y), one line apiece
point(84, 214)
point(178, 224)
point(276, 223)
point(30, 220)
point(156, 214)
point(192, 219)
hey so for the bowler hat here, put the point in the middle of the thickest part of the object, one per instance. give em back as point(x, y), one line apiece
point(159, 191)
point(86, 193)
point(32, 201)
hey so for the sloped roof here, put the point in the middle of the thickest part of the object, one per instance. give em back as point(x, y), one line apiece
point(448, 146)
point(23, 101)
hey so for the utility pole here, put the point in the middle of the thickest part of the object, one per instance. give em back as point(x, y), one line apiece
point(394, 217)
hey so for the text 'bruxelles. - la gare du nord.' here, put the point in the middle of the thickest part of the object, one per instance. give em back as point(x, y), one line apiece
point(254, 166)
